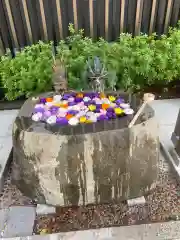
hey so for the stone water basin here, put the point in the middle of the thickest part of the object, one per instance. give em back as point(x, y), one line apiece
point(86, 164)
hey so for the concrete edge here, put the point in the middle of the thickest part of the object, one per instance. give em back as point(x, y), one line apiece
point(155, 231)
point(5, 169)
point(168, 156)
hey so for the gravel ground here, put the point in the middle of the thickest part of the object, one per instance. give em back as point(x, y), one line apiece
point(163, 204)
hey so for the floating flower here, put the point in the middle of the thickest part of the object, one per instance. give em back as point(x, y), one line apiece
point(93, 118)
point(42, 100)
point(112, 98)
point(69, 116)
point(54, 109)
point(102, 117)
point(40, 110)
point(61, 114)
point(86, 99)
point(46, 114)
point(57, 98)
point(49, 99)
point(73, 112)
point(119, 101)
point(61, 121)
point(80, 95)
point(105, 106)
point(39, 106)
point(73, 121)
point(82, 119)
point(71, 103)
point(88, 121)
point(103, 111)
point(49, 104)
point(77, 99)
point(124, 105)
point(118, 111)
point(37, 117)
point(64, 105)
point(51, 120)
point(128, 111)
point(71, 99)
point(92, 107)
point(102, 95)
point(66, 96)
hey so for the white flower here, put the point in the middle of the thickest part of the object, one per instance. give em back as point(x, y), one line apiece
point(51, 120)
point(49, 104)
point(125, 105)
point(39, 106)
point(81, 114)
point(128, 111)
point(98, 101)
point(37, 117)
point(71, 99)
point(93, 118)
point(64, 102)
point(73, 121)
point(57, 98)
point(89, 114)
point(76, 107)
point(105, 100)
point(86, 99)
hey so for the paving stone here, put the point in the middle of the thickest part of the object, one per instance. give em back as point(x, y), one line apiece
point(45, 209)
point(156, 231)
point(3, 219)
point(7, 118)
point(20, 221)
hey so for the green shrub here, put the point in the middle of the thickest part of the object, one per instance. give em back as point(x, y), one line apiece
point(28, 73)
point(135, 61)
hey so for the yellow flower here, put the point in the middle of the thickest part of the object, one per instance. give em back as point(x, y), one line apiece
point(57, 104)
point(88, 121)
point(82, 119)
point(118, 111)
point(112, 98)
point(43, 231)
point(92, 107)
point(102, 95)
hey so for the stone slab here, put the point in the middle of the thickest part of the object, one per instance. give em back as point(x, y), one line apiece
point(7, 118)
point(156, 231)
point(20, 221)
point(3, 220)
point(166, 112)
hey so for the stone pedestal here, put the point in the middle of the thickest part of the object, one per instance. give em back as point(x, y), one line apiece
point(90, 163)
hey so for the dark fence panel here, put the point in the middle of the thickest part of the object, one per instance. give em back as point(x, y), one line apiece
point(23, 22)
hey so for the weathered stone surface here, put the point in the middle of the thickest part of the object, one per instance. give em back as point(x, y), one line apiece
point(94, 165)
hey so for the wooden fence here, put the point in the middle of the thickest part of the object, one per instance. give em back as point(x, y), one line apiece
point(23, 22)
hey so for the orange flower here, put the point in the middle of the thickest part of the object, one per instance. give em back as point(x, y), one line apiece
point(49, 99)
point(80, 95)
point(102, 95)
point(65, 105)
point(105, 106)
point(69, 116)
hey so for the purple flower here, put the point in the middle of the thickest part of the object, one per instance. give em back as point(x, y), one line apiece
point(66, 96)
point(54, 109)
point(110, 110)
point(119, 101)
point(73, 112)
point(43, 100)
point(102, 117)
point(46, 114)
point(111, 115)
point(71, 103)
point(62, 121)
point(38, 110)
point(78, 99)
